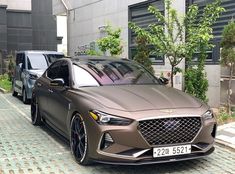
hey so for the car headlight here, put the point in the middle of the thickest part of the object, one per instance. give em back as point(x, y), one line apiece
point(208, 115)
point(107, 119)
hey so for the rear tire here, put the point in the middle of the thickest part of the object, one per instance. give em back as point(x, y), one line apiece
point(79, 140)
point(36, 118)
point(24, 97)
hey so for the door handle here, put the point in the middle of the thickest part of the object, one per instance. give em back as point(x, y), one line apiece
point(50, 90)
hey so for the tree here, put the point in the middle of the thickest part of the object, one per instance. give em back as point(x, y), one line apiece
point(199, 35)
point(228, 56)
point(167, 35)
point(11, 67)
point(142, 55)
point(111, 42)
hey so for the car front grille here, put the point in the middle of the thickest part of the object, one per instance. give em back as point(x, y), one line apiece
point(170, 130)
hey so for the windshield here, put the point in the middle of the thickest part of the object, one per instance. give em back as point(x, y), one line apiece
point(110, 72)
point(53, 57)
point(83, 78)
point(37, 61)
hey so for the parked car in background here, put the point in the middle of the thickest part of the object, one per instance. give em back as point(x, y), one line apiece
point(30, 65)
point(114, 111)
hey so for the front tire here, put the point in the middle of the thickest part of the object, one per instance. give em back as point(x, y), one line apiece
point(79, 140)
point(36, 118)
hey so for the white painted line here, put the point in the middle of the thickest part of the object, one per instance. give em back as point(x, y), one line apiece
point(230, 130)
point(16, 108)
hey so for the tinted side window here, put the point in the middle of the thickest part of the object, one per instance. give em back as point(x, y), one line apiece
point(53, 71)
point(53, 57)
point(20, 59)
point(64, 72)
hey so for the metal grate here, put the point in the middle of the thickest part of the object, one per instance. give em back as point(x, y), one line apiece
point(170, 130)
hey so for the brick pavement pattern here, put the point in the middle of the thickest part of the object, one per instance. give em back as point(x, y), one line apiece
point(28, 149)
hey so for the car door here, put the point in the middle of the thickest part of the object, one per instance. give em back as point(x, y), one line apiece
point(19, 72)
point(19, 62)
point(44, 91)
point(58, 102)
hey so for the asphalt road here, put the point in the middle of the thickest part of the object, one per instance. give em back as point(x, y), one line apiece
point(28, 149)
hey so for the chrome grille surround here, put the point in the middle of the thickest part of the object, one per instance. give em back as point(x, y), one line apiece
point(167, 131)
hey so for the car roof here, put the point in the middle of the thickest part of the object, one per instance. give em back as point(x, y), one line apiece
point(40, 51)
point(96, 58)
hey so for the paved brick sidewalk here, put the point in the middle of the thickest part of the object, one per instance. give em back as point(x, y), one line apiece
point(27, 149)
point(226, 135)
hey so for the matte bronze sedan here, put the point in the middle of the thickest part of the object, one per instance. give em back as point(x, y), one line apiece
point(114, 111)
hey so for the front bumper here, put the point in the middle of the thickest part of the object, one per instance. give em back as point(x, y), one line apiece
point(129, 147)
point(150, 160)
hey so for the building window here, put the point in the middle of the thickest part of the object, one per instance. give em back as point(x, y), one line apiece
point(209, 57)
point(214, 54)
point(139, 14)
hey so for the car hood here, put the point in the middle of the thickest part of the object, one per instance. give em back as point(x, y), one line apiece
point(141, 97)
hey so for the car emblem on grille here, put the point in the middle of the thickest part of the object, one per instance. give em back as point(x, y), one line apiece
point(171, 125)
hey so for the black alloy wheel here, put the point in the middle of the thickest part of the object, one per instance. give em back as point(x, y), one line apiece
point(79, 141)
point(36, 118)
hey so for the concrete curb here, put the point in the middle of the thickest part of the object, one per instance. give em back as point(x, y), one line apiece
point(220, 140)
point(225, 126)
point(3, 90)
point(226, 144)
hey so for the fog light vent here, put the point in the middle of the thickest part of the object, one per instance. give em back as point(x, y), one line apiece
point(106, 141)
point(213, 133)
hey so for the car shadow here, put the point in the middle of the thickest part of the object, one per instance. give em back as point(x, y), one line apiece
point(170, 167)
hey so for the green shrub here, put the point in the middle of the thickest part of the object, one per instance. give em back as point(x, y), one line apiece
point(224, 117)
point(5, 83)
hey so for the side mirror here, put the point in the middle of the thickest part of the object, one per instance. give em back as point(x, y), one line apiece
point(21, 66)
point(57, 83)
point(164, 80)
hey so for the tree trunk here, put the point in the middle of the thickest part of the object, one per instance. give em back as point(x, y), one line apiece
point(229, 90)
point(172, 75)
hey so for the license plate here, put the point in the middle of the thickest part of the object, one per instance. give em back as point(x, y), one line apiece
point(171, 151)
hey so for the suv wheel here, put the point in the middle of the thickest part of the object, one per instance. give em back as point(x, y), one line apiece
point(25, 99)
